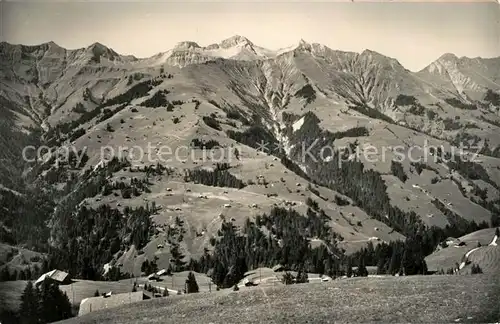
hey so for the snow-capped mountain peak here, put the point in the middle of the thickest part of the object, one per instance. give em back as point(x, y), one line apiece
point(235, 41)
point(184, 53)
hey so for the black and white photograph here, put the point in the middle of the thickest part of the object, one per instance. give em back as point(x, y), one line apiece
point(249, 161)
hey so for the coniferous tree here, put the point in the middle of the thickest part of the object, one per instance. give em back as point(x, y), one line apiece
point(287, 278)
point(362, 271)
point(349, 268)
point(302, 277)
point(381, 266)
point(29, 311)
point(54, 304)
point(96, 293)
point(5, 274)
point(191, 284)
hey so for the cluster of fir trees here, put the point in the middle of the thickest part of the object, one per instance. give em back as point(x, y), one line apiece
point(28, 273)
point(175, 235)
point(208, 145)
point(46, 304)
point(24, 219)
point(398, 171)
point(256, 136)
point(395, 257)
point(219, 177)
point(90, 237)
point(285, 241)
point(159, 99)
point(135, 188)
point(288, 278)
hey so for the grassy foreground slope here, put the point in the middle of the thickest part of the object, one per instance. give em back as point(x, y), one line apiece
point(389, 299)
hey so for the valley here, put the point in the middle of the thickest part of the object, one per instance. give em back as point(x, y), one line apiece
point(226, 158)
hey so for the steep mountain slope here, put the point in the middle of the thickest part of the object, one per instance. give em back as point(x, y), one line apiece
point(235, 95)
point(468, 77)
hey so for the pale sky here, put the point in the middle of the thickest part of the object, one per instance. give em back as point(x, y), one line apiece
point(414, 33)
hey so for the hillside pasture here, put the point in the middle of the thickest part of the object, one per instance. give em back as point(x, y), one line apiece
point(442, 299)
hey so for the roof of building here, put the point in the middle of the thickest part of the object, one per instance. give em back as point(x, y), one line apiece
point(161, 272)
point(93, 304)
point(278, 267)
point(152, 276)
point(56, 275)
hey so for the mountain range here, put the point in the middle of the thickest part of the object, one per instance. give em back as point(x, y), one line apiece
point(237, 95)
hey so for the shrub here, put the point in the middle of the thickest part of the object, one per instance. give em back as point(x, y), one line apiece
point(476, 269)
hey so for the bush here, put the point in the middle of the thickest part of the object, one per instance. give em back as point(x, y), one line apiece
point(476, 269)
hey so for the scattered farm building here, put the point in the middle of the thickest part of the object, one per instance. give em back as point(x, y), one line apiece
point(89, 305)
point(57, 276)
point(278, 268)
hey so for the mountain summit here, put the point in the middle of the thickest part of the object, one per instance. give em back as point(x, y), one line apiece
point(234, 41)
